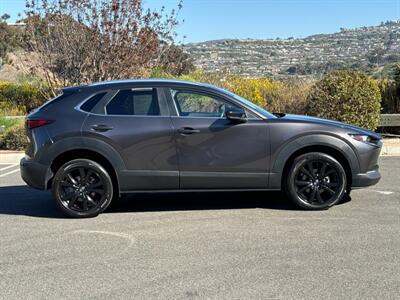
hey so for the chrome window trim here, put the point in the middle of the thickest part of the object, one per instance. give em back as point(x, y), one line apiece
point(115, 92)
point(130, 116)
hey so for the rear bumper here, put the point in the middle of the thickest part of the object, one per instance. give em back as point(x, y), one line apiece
point(366, 179)
point(35, 174)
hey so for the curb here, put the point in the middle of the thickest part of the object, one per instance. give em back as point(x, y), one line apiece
point(11, 157)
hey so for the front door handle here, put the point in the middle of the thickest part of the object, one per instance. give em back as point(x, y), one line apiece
point(188, 130)
point(101, 127)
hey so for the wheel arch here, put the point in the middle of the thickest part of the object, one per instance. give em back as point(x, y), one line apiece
point(85, 154)
point(334, 146)
point(73, 148)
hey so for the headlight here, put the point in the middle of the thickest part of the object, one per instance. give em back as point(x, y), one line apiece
point(361, 138)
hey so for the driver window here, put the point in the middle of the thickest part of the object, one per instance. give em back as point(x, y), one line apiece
point(198, 104)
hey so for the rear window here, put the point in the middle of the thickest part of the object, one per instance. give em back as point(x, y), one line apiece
point(91, 102)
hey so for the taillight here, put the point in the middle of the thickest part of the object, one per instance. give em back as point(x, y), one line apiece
point(34, 123)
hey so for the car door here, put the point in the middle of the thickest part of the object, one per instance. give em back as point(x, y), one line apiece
point(136, 123)
point(214, 152)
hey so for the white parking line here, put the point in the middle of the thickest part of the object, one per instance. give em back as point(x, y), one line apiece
point(8, 173)
point(383, 192)
point(8, 167)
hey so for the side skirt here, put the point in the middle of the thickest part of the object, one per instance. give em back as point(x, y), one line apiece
point(197, 191)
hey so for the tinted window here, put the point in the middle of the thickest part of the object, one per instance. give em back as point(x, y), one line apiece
point(193, 103)
point(54, 100)
point(134, 102)
point(90, 103)
point(249, 103)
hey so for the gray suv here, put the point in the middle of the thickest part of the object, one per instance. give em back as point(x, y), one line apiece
point(93, 143)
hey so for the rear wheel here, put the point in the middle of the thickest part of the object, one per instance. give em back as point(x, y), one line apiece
point(315, 181)
point(82, 188)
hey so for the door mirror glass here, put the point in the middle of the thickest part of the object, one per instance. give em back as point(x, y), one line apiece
point(237, 115)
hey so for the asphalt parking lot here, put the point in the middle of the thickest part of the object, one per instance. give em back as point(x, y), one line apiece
point(211, 245)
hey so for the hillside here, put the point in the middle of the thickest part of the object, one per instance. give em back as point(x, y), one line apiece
point(374, 49)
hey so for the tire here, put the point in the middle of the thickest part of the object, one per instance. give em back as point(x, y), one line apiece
point(315, 181)
point(82, 188)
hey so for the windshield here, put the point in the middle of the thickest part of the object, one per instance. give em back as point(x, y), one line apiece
point(250, 104)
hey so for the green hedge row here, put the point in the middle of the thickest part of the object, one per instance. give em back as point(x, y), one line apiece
point(347, 96)
point(20, 98)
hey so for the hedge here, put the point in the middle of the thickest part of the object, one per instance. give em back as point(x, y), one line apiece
point(14, 138)
point(347, 96)
point(23, 96)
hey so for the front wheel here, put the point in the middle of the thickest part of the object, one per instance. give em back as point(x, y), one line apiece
point(82, 188)
point(315, 181)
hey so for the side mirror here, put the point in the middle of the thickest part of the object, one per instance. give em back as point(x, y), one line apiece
point(236, 116)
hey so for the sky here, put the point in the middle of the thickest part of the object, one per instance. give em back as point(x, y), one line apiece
point(262, 19)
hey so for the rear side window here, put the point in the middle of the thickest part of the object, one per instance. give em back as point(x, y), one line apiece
point(54, 100)
point(134, 102)
point(91, 102)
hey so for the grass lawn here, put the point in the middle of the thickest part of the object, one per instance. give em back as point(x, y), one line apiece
point(7, 122)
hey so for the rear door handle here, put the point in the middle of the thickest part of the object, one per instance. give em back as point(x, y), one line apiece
point(188, 130)
point(101, 127)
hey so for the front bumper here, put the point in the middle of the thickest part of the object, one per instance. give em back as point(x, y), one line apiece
point(35, 174)
point(368, 174)
point(366, 179)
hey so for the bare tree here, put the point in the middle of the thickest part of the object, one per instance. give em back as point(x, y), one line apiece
point(82, 41)
point(175, 61)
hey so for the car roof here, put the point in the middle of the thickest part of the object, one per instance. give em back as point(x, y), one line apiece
point(155, 81)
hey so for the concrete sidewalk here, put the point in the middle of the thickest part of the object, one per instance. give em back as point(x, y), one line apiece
point(391, 147)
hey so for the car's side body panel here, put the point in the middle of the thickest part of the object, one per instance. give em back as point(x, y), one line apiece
point(289, 136)
point(222, 154)
point(54, 150)
point(146, 145)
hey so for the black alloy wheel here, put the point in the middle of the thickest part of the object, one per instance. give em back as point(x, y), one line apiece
point(82, 188)
point(316, 181)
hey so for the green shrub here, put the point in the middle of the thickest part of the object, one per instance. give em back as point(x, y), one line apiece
point(255, 90)
point(389, 102)
point(347, 96)
point(11, 109)
point(19, 96)
point(14, 138)
point(390, 91)
point(9, 122)
point(273, 95)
